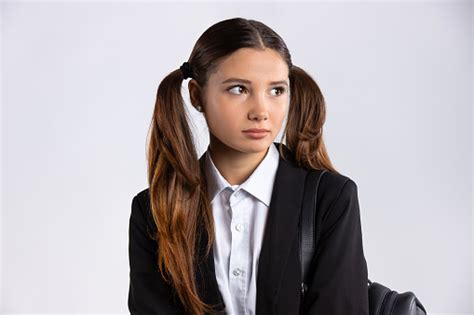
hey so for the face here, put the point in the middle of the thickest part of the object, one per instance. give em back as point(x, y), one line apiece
point(249, 89)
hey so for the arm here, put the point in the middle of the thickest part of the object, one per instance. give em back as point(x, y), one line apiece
point(148, 292)
point(339, 282)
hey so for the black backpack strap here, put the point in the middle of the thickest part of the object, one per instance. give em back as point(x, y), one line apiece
point(307, 223)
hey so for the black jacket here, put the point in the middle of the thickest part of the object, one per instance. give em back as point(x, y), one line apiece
point(339, 281)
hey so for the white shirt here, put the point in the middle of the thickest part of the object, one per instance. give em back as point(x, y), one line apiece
point(240, 214)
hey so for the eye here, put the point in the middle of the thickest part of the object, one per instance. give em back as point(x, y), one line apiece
point(281, 90)
point(236, 88)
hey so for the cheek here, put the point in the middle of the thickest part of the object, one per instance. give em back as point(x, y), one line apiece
point(278, 113)
point(224, 115)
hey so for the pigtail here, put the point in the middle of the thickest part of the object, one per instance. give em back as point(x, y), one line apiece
point(306, 116)
point(177, 194)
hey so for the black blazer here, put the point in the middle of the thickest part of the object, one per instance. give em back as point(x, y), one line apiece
point(339, 280)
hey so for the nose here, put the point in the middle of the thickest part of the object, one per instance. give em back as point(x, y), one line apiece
point(259, 108)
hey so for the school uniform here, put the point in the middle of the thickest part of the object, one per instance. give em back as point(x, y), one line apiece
point(266, 279)
point(240, 213)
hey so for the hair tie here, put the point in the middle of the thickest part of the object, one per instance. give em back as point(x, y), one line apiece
point(186, 70)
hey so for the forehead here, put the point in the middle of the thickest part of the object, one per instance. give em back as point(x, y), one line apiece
point(252, 64)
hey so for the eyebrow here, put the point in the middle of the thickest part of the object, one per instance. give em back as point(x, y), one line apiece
point(249, 82)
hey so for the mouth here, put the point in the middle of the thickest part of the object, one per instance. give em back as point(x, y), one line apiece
point(256, 130)
point(256, 133)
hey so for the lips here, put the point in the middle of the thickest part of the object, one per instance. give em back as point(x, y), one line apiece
point(256, 133)
point(256, 130)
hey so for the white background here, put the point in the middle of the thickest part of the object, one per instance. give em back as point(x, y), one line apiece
point(77, 93)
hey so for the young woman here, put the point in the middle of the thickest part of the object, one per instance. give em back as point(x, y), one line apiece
point(219, 234)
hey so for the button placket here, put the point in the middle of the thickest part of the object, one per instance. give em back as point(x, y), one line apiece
point(239, 255)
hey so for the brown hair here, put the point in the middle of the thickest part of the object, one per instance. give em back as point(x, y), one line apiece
point(178, 189)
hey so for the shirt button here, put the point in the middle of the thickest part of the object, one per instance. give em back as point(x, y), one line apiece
point(237, 272)
point(238, 227)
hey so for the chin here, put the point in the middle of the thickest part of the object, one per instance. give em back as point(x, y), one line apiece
point(255, 146)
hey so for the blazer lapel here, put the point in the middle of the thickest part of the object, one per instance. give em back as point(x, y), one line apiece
point(280, 232)
point(279, 236)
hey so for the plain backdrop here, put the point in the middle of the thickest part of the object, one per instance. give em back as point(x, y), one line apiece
point(78, 88)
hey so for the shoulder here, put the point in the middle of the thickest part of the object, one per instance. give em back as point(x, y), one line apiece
point(141, 209)
point(333, 185)
point(337, 202)
point(143, 197)
point(141, 200)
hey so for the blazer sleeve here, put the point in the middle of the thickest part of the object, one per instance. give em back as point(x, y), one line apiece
point(339, 280)
point(148, 292)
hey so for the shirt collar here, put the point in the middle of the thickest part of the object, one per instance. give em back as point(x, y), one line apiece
point(259, 183)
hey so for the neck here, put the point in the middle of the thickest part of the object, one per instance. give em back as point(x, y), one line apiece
point(235, 166)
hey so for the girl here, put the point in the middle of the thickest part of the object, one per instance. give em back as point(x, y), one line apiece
point(219, 234)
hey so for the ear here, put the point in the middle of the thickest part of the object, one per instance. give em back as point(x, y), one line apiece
point(195, 93)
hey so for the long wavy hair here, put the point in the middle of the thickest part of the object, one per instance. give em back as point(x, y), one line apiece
point(177, 184)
